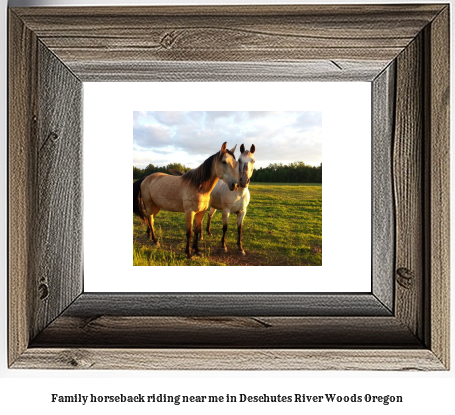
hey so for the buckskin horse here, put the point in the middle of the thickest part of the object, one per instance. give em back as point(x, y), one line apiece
point(189, 193)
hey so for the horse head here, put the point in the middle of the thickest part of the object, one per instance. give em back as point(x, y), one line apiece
point(226, 168)
point(246, 165)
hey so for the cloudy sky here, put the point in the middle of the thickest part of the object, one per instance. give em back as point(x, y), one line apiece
point(189, 137)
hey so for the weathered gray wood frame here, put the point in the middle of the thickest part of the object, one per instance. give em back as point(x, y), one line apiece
point(403, 50)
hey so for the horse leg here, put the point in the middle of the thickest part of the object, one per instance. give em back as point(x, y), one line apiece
point(198, 230)
point(149, 226)
point(201, 234)
point(225, 226)
point(152, 227)
point(209, 220)
point(240, 217)
point(152, 211)
point(189, 216)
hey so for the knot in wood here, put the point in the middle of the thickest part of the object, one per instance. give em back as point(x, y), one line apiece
point(168, 40)
point(76, 359)
point(43, 291)
point(405, 278)
point(53, 136)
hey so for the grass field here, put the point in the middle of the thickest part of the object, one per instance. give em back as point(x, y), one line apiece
point(283, 226)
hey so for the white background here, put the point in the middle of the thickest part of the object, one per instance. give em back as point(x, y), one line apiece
point(108, 138)
point(29, 391)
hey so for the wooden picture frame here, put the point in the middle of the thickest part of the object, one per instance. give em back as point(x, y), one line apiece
point(402, 324)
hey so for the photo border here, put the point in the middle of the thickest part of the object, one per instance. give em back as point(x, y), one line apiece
point(403, 324)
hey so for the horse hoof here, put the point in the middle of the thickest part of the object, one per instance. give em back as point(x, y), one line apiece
point(156, 245)
point(223, 249)
point(242, 253)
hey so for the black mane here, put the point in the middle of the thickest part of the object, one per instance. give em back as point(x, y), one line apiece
point(199, 176)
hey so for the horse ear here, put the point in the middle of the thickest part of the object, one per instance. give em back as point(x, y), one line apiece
point(252, 149)
point(242, 149)
point(223, 147)
point(233, 149)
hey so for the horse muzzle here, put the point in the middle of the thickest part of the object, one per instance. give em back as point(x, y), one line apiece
point(233, 186)
point(244, 183)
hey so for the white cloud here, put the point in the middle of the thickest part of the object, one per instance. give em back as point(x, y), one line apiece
point(191, 137)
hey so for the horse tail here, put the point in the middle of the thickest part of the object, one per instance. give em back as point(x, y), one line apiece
point(137, 199)
point(176, 172)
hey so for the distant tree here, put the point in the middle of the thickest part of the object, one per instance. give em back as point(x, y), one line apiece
point(178, 167)
point(295, 172)
point(137, 173)
point(150, 169)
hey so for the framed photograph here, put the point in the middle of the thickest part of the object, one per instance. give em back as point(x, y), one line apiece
point(400, 322)
point(282, 231)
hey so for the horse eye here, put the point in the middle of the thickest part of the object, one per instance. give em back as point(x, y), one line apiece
point(224, 162)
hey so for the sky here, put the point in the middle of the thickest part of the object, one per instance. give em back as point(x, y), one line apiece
point(190, 137)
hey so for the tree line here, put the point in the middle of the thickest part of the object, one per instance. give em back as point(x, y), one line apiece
point(140, 173)
point(296, 172)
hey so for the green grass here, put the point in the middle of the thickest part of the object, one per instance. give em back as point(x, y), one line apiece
point(283, 226)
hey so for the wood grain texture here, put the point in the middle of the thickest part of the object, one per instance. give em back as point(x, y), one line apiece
point(58, 185)
point(309, 71)
point(383, 214)
point(408, 188)
point(228, 34)
point(212, 305)
point(229, 359)
point(22, 96)
point(226, 332)
point(60, 47)
point(438, 197)
point(45, 187)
